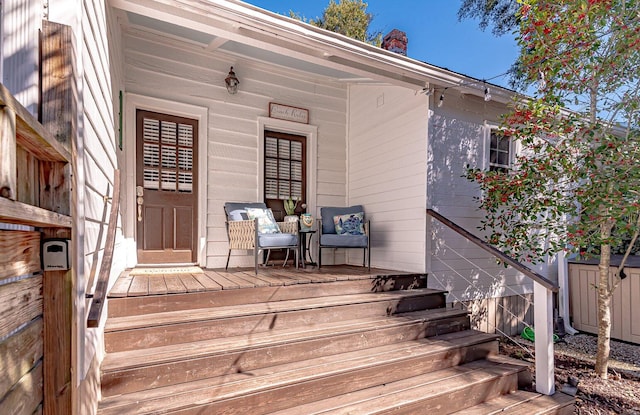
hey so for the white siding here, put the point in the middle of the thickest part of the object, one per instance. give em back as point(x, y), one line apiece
point(457, 140)
point(387, 172)
point(21, 22)
point(164, 70)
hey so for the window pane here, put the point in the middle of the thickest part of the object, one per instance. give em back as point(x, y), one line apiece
point(283, 149)
point(283, 190)
point(296, 170)
point(169, 132)
point(271, 189)
point(296, 150)
point(503, 158)
point(503, 144)
point(271, 147)
point(271, 168)
point(284, 170)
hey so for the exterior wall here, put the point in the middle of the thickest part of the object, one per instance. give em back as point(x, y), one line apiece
point(457, 139)
point(196, 78)
point(387, 173)
point(98, 78)
point(19, 55)
point(625, 302)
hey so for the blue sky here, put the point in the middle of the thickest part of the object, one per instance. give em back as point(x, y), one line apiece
point(434, 32)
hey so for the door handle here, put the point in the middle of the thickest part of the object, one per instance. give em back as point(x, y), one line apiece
point(139, 201)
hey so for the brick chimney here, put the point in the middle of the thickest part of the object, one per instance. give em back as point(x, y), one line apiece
point(395, 41)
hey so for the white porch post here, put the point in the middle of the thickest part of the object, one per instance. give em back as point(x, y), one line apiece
point(543, 323)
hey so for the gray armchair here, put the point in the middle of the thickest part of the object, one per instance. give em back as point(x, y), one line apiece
point(353, 231)
point(245, 233)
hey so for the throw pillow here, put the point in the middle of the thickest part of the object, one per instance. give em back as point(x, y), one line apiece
point(238, 214)
point(349, 224)
point(266, 221)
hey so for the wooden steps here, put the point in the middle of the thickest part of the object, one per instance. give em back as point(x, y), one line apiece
point(338, 347)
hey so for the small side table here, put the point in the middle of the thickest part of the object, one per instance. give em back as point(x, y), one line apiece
point(305, 247)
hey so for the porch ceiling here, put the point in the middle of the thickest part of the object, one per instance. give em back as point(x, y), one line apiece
point(237, 48)
point(242, 30)
point(246, 31)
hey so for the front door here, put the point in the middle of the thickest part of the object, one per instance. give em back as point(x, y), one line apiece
point(166, 177)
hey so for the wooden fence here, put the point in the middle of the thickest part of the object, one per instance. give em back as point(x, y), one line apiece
point(35, 203)
point(625, 303)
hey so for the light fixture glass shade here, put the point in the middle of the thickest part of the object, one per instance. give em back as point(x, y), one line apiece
point(232, 82)
point(487, 94)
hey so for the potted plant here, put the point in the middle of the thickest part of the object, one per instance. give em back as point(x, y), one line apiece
point(290, 206)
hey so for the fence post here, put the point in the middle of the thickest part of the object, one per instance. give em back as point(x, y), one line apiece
point(543, 324)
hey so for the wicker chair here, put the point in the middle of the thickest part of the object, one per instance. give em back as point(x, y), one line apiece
point(243, 233)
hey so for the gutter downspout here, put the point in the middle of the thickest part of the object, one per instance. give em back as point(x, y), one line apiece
point(563, 292)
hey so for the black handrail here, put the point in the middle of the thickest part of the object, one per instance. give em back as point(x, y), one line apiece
point(550, 285)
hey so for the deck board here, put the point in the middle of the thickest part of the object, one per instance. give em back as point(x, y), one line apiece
point(157, 285)
point(174, 284)
point(207, 283)
point(139, 285)
point(171, 280)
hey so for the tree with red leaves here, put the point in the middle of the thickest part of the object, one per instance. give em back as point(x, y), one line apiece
point(575, 184)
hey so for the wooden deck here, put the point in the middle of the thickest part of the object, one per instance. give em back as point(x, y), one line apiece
point(179, 280)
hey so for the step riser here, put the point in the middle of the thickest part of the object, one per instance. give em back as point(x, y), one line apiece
point(211, 329)
point(243, 361)
point(274, 400)
point(290, 395)
point(456, 400)
point(119, 307)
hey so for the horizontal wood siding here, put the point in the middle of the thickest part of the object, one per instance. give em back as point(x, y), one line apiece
point(625, 303)
point(457, 140)
point(387, 172)
point(196, 77)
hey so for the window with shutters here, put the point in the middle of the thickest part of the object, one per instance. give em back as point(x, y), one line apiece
point(285, 168)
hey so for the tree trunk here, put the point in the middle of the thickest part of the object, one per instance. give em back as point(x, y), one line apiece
point(604, 307)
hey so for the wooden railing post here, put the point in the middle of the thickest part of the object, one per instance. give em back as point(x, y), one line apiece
point(543, 323)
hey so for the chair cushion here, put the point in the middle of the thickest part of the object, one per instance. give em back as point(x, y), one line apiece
point(349, 224)
point(344, 241)
point(327, 214)
point(266, 221)
point(277, 240)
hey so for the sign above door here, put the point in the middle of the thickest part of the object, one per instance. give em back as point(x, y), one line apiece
point(289, 113)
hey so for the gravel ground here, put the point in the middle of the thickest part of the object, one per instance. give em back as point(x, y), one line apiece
point(575, 357)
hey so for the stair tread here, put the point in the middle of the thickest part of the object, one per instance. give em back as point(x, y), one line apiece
point(404, 392)
point(520, 403)
point(172, 317)
point(241, 384)
point(193, 350)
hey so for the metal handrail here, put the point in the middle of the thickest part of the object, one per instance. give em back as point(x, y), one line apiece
point(548, 284)
point(100, 294)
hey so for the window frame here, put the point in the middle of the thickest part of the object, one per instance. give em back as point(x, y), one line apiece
point(490, 131)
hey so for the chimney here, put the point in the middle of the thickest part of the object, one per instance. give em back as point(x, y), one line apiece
point(395, 41)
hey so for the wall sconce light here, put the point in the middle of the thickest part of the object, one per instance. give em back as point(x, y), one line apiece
point(232, 82)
